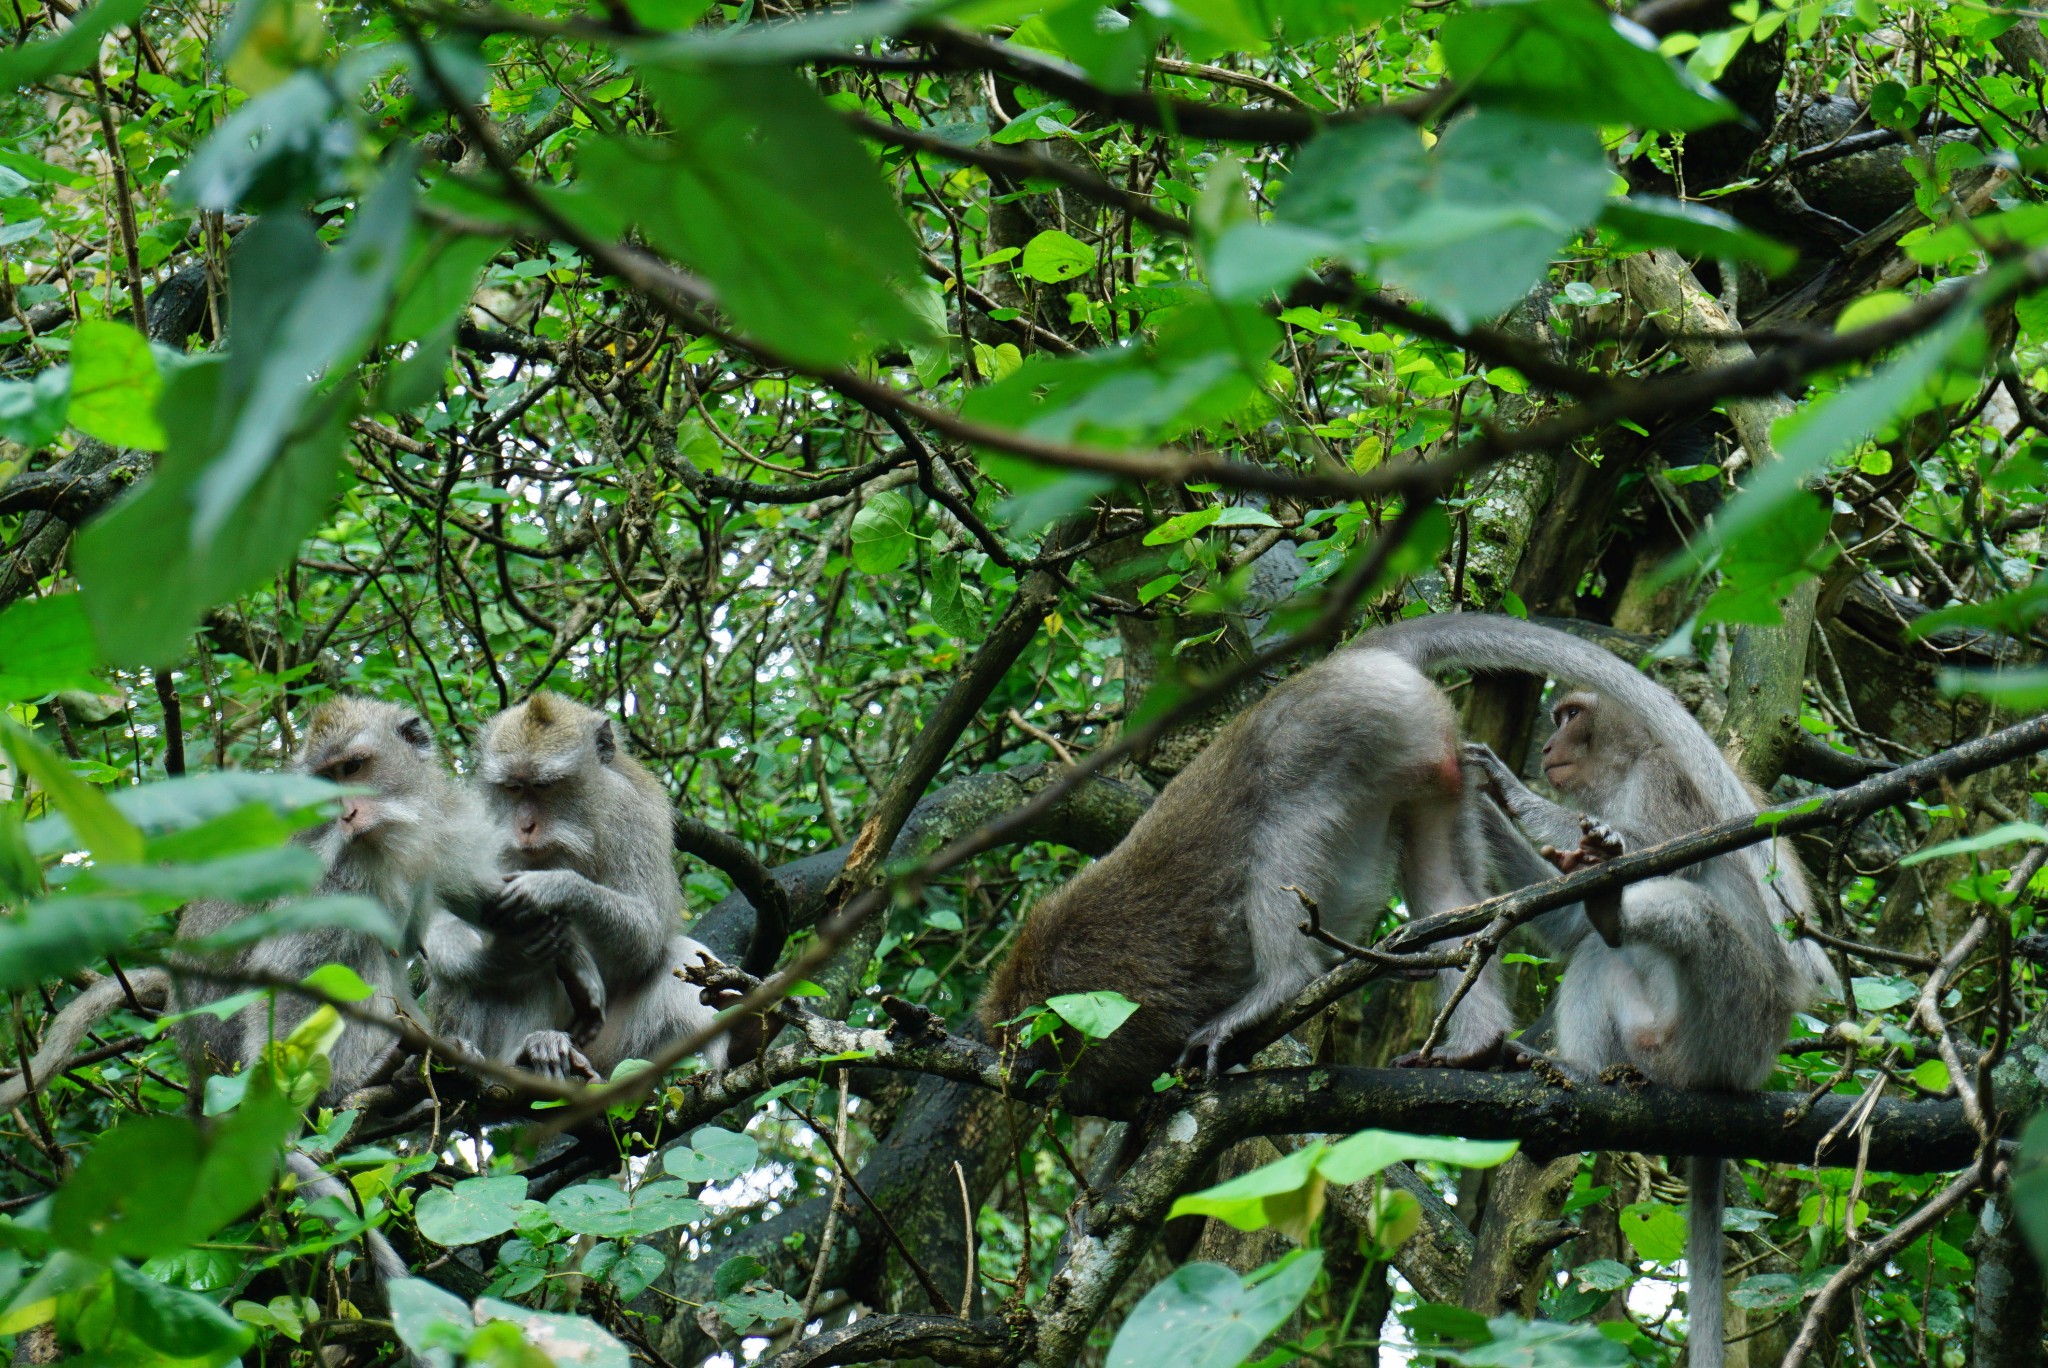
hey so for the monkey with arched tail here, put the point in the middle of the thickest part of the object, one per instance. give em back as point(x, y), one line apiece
point(1688, 980)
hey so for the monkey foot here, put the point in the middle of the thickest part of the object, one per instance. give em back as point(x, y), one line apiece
point(552, 1054)
point(1520, 1056)
point(1626, 1075)
point(1485, 1057)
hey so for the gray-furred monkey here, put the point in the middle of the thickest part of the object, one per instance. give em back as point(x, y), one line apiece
point(587, 834)
point(1337, 783)
point(1693, 985)
point(411, 842)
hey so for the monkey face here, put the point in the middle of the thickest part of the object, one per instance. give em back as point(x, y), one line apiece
point(1568, 754)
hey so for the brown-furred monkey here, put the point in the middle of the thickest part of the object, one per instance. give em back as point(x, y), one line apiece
point(1339, 783)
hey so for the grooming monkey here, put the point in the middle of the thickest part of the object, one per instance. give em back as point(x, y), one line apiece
point(587, 833)
point(1336, 783)
point(1688, 980)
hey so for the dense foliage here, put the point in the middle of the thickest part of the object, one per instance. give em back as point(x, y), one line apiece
point(911, 400)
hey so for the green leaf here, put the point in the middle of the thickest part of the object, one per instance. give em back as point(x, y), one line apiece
point(250, 877)
point(46, 646)
point(1766, 561)
point(2004, 834)
point(198, 1183)
point(178, 1324)
point(712, 1156)
point(1053, 256)
point(882, 537)
point(115, 385)
point(472, 1211)
point(567, 1341)
point(2021, 690)
point(1204, 1315)
point(628, 1270)
point(1204, 367)
point(1655, 1230)
point(1181, 526)
point(1879, 994)
point(318, 327)
point(340, 911)
point(1096, 1015)
point(1814, 436)
point(1366, 1153)
point(950, 606)
point(101, 828)
point(1694, 229)
point(763, 192)
point(1932, 1075)
point(63, 934)
point(1572, 60)
point(72, 50)
point(602, 1209)
point(1469, 225)
point(753, 1306)
point(32, 411)
point(432, 1323)
point(440, 281)
point(1285, 1195)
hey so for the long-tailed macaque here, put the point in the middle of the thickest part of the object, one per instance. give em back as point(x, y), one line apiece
point(1335, 784)
point(1691, 983)
point(411, 842)
point(415, 839)
point(586, 831)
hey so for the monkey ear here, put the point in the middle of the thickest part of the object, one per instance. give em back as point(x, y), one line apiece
point(413, 730)
point(607, 744)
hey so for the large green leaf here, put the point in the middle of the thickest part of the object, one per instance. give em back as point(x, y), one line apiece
point(1205, 365)
point(45, 645)
point(63, 934)
point(99, 825)
point(182, 1326)
point(772, 200)
point(197, 1182)
point(115, 385)
point(1694, 229)
point(32, 411)
point(1366, 1153)
point(72, 50)
point(1814, 436)
point(1204, 1315)
point(317, 327)
point(474, 1210)
point(713, 1155)
point(1573, 60)
point(602, 1209)
point(1469, 225)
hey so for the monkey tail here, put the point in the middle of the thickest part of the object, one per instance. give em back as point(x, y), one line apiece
point(62, 1035)
point(1703, 1249)
point(1490, 641)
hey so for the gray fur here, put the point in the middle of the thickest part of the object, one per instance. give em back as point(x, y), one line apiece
point(1701, 988)
point(586, 832)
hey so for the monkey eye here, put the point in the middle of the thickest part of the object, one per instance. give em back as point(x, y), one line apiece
point(1567, 714)
point(349, 769)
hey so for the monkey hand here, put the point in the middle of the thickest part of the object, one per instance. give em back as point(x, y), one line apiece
point(553, 1055)
point(1495, 776)
point(546, 891)
point(1598, 843)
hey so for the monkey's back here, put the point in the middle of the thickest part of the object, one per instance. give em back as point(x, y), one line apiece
point(1178, 950)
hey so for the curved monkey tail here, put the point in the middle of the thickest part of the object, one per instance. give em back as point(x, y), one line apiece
point(1490, 641)
point(65, 1030)
point(1703, 1263)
